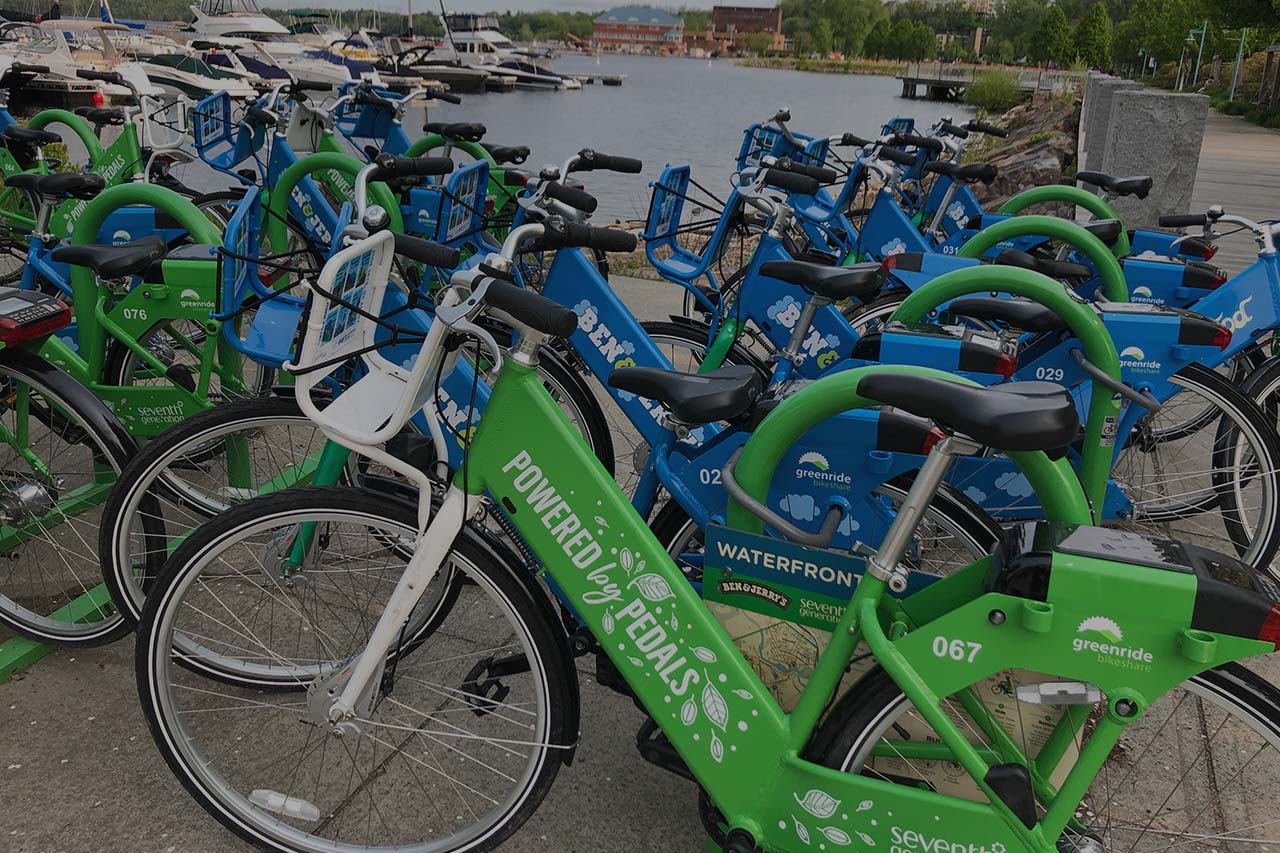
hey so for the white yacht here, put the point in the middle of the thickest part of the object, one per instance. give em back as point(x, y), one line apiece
point(243, 20)
point(50, 45)
point(478, 41)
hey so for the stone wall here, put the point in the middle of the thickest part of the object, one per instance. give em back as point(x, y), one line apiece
point(1040, 149)
point(1127, 129)
point(1158, 134)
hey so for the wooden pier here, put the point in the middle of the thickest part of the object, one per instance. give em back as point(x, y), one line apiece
point(603, 79)
point(944, 81)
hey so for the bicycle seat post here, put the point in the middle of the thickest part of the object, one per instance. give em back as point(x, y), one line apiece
point(886, 563)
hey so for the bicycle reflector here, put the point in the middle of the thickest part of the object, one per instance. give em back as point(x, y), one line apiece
point(1270, 630)
point(98, 100)
point(26, 315)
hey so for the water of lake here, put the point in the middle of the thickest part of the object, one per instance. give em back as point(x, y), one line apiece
point(678, 111)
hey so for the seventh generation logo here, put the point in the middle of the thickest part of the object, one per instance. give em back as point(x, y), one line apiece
point(1135, 359)
point(814, 466)
point(1103, 637)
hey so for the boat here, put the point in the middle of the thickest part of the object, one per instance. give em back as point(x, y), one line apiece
point(243, 58)
point(241, 21)
point(50, 44)
point(188, 74)
point(421, 60)
point(477, 41)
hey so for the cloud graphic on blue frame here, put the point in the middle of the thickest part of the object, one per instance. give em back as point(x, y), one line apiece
point(1014, 483)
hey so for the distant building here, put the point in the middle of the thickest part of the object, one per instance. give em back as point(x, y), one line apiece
point(746, 19)
point(637, 29)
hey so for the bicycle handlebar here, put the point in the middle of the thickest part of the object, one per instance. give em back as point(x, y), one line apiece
point(588, 160)
point(1183, 220)
point(530, 308)
point(821, 174)
point(391, 166)
point(575, 198)
point(24, 68)
point(948, 127)
point(569, 235)
point(853, 141)
point(427, 252)
point(923, 142)
point(902, 158)
point(104, 76)
point(988, 129)
point(791, 182)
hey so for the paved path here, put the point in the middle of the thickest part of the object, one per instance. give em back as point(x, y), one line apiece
point(1240, 170)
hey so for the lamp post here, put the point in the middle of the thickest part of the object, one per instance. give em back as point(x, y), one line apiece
point(1235, 73)
point(1182, 61)
point(1142, 62)
point(1202, 29)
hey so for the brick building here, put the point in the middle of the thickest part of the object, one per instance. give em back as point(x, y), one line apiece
point(746, 19)
point(637, 29)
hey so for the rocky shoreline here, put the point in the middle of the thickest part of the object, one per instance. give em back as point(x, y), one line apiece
point(1041, 149)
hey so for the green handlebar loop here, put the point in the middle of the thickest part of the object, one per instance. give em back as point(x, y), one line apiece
point(432, 141)
point(1081, 318)
point(1113, 283)
point(1055, 485)
point(1067, 194)
point(84, 282)
point(82, 129)
point(278, 207)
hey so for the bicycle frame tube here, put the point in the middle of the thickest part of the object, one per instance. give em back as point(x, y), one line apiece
point(293, 188)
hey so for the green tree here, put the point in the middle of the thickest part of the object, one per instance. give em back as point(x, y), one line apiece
point(1093, 37)
point(1052, 41)
point(924, 42)
point(877, 44)
point(1016, 22)
point(823, 37)
point(759, 43)
point(900, 36)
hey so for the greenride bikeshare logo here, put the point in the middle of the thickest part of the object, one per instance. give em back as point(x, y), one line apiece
point(1135, 359)
point(814, 466)
point(1101, 636)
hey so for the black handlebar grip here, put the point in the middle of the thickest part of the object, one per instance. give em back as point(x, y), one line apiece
point(821, 174)
point(531, 309)
point(856, 141)
point(311, 85)
point(948, 127)
point(791, 182)
point(902, 158)
point(1183, 220)
point(258, 114)
point(988, 129)
point(391, 166)
point(372, 100)
point(783, 114)
point(589, 160)
point(24, 68)
point(441, 95)
point(427, 252)
point(577, 199)
point(104, 76)
point(925, 142)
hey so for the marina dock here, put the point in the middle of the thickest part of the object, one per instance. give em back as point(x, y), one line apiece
point(947, 81)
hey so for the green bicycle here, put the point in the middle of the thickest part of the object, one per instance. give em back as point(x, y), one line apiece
point(378, 737)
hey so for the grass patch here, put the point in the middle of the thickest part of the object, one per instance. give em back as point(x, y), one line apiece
point(995, 90)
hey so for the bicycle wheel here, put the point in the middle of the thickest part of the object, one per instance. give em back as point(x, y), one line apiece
point(62, 450)
point(179, 346)
point(450, 755)
point(1217, 485)
point(1194, 775)
point(193, 472)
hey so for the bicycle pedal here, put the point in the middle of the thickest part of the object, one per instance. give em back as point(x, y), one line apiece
point(658, 751)
point(607, 675)
point(1059, 693)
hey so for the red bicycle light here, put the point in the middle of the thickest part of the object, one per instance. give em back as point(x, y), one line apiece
point(931, 439)
point(1209, 251)
point(1006, 364)
point(489, 204)
point(1270, 630)
point(98, 100)
point(13, 333)
point(890, 263)
point(270, 276)
point(1222, 337)
point(1219, 277)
